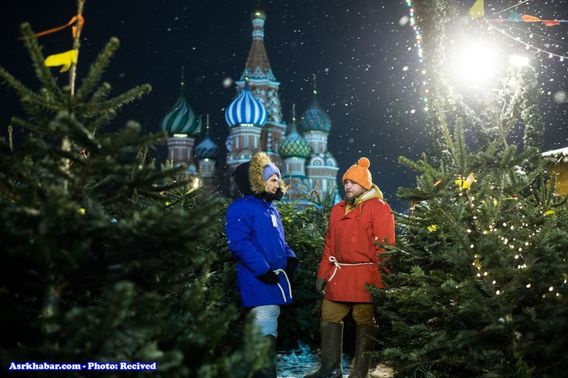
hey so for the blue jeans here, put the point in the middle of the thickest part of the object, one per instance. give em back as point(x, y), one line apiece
point(266, 319)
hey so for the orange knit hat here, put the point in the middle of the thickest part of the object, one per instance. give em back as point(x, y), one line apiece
point(359, 173)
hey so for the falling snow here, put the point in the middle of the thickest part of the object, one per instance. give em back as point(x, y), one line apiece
point(364, 53)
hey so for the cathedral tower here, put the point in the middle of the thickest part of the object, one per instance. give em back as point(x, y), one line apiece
point(264, 85)
point(182, 126)
point(321, 168)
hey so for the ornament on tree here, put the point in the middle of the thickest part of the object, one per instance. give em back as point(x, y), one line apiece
point(462, 183)
point(433, 228)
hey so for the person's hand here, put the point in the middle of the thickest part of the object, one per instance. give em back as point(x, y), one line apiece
point(291, 265)
point(268, 278)
point(320, 286)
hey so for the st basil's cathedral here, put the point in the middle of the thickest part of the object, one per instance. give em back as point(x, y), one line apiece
point(255, 122)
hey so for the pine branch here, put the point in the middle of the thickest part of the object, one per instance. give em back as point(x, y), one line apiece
point(461, 149)
point(21, 89)
point(97, 69)
point(438, 107)
point(125, 98)
point(101, 121)
point(33, 103)
point(80, 134)
point(101, 93)
point(419, 166)
point(24, 124)
point(42, 71)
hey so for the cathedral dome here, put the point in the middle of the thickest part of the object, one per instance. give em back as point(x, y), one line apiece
point(315, 118)
point(207, 149)
point(246, 109)
point(293, 144)
point(181, 119)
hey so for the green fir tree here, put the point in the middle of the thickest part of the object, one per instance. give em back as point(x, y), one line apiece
point(478, 279)
point(104, 257)
point(305, 232)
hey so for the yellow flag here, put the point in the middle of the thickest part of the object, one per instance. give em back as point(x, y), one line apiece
point(433, 228)
point(476, 11)
point(64, 59)
point(465, 184)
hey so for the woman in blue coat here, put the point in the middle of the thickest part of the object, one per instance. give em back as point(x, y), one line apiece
point(256, 239)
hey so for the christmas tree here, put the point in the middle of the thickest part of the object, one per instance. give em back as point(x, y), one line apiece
point(104, 257)
point(477, 283)
point(305, 232)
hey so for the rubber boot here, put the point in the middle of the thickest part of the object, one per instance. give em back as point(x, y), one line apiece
point(269, 371)
point(331, 350)
point(365, 342)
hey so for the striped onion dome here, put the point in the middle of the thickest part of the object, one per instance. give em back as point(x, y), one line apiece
point(315, 118)
point(206, 149)
point(245, 109)
point(293, 144)
point(181, 119)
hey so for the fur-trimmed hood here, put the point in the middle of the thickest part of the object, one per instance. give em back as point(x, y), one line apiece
point(256, 168)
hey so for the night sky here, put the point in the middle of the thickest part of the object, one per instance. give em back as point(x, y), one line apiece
point(363, 53)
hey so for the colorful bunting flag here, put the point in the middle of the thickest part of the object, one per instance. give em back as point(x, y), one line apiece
point(477, 10)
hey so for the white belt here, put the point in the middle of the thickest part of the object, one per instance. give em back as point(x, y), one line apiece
point(278, 271)
point(338, 265)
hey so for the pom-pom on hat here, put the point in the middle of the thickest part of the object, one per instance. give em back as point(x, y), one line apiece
point(360, 174)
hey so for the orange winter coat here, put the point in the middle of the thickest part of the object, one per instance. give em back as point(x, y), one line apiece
point(351, 245)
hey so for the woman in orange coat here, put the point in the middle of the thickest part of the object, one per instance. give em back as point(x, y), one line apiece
point(359, 227)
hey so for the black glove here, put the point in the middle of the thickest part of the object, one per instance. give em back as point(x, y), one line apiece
point(320, 286)
point(268, 278)
point(291, 265)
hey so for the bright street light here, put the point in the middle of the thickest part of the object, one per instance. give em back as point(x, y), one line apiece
point(474, 64)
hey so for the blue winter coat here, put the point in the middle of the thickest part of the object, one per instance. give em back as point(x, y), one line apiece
point(256, 239)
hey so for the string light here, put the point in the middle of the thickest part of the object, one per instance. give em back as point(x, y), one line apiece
point(530, 232)
point(418, 40)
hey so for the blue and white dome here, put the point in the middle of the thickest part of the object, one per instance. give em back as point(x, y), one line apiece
point(207, 149)
point(315, 118)
point(246, 109)
point(181, 119)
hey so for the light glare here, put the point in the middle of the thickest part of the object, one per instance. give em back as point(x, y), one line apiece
point(519, 60)
point(474, 64)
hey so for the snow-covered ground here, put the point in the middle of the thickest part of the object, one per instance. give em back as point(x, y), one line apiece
point(299, 362)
